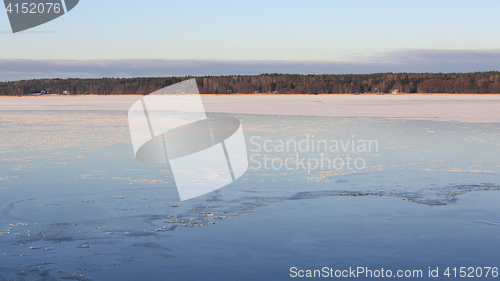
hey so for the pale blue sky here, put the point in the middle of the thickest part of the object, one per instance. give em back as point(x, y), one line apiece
point(335, 31)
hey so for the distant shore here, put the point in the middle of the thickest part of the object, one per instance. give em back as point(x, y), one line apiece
point(271, 94)
point(271, 84)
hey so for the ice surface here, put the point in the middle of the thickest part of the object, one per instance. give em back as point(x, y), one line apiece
point(461, 108)
point(77, 204)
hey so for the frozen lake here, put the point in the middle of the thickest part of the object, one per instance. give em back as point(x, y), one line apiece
point(463, 108)
point(77, 204)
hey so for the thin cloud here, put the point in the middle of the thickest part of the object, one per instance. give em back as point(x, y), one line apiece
point(396, 61)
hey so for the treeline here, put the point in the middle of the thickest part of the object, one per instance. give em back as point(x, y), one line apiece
point(474, 83)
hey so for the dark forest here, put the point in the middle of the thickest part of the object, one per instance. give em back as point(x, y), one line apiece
point(460, 83)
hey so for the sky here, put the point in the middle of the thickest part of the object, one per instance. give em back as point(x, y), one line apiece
point(158, 38)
